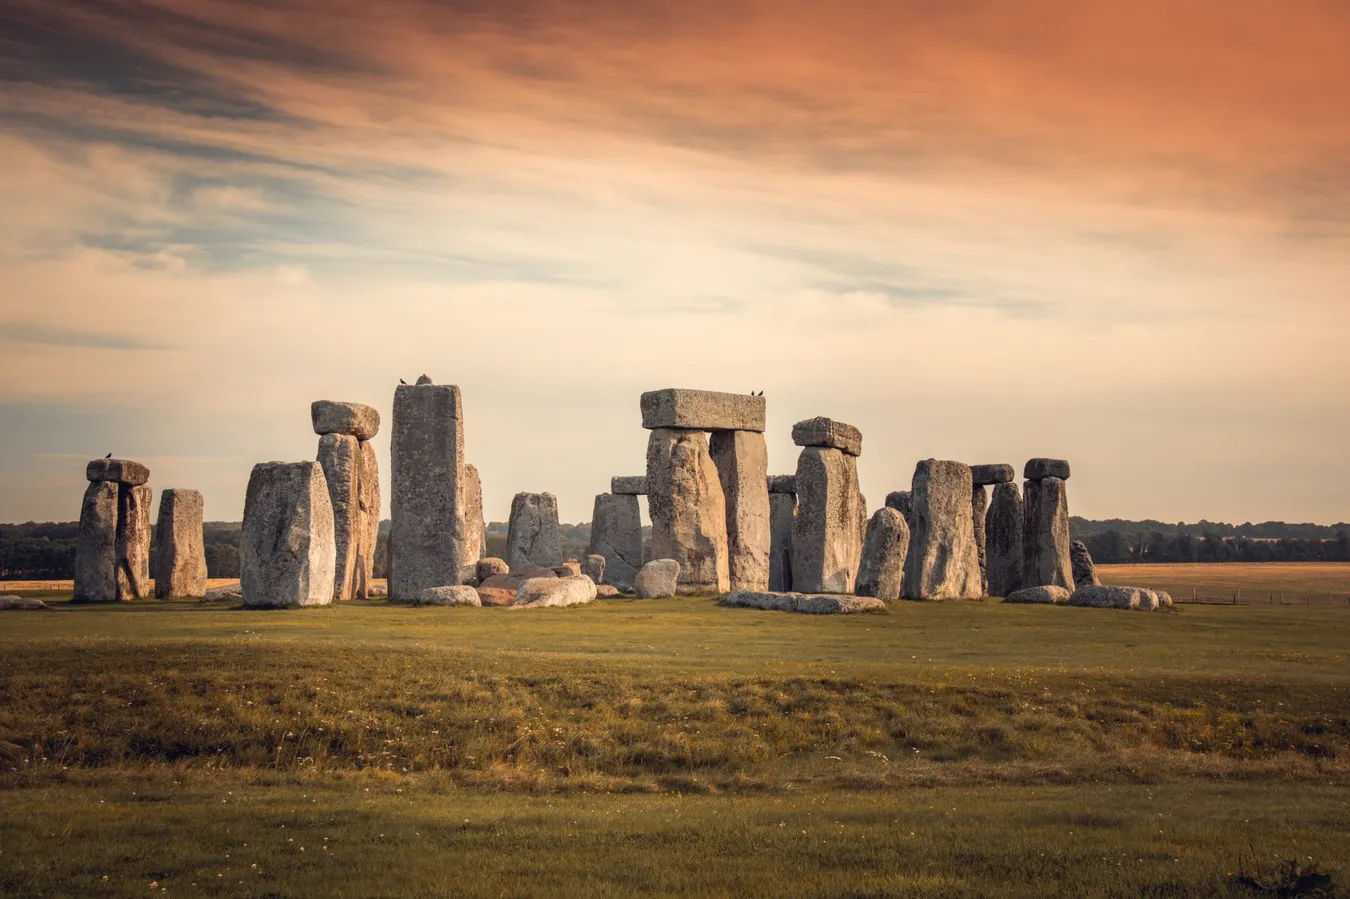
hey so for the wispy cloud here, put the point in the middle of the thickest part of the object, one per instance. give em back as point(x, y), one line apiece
point(44, 335)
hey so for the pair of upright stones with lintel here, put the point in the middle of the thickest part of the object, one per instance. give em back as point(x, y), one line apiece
point(819, 516)
point(1026, 533)
point(352, 473)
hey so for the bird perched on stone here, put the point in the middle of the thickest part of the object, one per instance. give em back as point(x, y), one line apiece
point(109, 456)
point(403, 382)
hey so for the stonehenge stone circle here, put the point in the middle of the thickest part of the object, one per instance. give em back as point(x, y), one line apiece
point(630, 485)
point(180, 556)
point(1046, 535)
point(1004, 541)
point(742, 461)
point(1084, 569)
point(687, 508)
point(828, 433)
point(119, 471)
point(826, 536)
point(943, 561)
point(287, 549)
point(593, 566)
point(457, 595)
point(701, 410)
point(783, 483)
point(989, 475)
point(96, 545)
point(616, 534)
point(881, 572)
point(475, 527)
point(428, 534)
point(133, 541)
point(532, 538)
point(658, 579)
point(1039, 595)
point(782, 517)
point(353, 419)
point(541, 593)
point(979, 511)
point(1040, 469)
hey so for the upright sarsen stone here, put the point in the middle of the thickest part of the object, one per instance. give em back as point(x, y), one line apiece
point(133, 541)
point(1046, 535)
point(1084, 569)
point(532, 538)
point(979, 510)
point(616, 534)
point(475, 540)
point(826, 538)
point(96, 545)
point(943, 562)
point(340, 456)
point(881, 572)
point(427, 536)
point(782, 516)
point(287, 549)
point(180, 554)
point(368, 528)
point(742, 461)
point(687, 508)
point(1003, 540)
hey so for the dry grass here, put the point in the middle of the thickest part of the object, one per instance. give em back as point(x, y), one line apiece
point(1257, 581)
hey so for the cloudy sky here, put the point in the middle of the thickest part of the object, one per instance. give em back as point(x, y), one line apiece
point(977, 229)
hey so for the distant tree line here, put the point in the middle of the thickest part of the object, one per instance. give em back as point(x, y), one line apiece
point(46, 551)
point(1114, 547)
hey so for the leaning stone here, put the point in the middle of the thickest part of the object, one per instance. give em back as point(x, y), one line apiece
point(826, 538)
point(1003, 540)
point(1106, 597)
point(616, 534)
point(286, 547)
point(541, 593)
point(631, 485)
point(1084, 569)
point(943, 561)
point(353, 419)
point(428, 534)
point(657, 579)
point(783, 483)
point(133, 541)
point(828, 433)
point(457, 595)
point(340, 456)
point(881, 572)
point(838, 605)
point(532, 538)
point(989, 475)
point(594, 567)
point(758, 599)
point(688, 509)
point(782, 515)
point(702, 410)
point(742, 461)
point(21, 603)
point(121, 471)
point(607, 591)
point(1046, 535)
point(979, 512)
point(180, 557)
point(486, 568)
point(96, 545)
point(1042, 595)
point(496, 596)
point(567, 569)
point(1040, 469)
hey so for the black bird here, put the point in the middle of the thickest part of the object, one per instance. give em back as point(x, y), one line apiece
point(109, 456)
point(403, 382)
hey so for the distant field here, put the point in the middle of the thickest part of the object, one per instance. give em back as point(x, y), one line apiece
point(1258, 582)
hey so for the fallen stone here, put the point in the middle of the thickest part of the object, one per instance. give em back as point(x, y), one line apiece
point(783, 483)
point(742, 461)
point(881, 571)
point(541, 593)
point(121, 471)
point(133, 541)
point(979, 512)
point(475, 528)
point(223, 593)
point(1084, 569)
point(632, 485)
point(607, 591)
point(286, 548)
point(496, 596)
point(989, 475)
point(758, 599)
point(594, 567)
point(1046, 535)
point(340, 456)
point(21, 603)
point(96, 545)
point(428, 533)
point(488, 567)
point(513, 581)
point(353, 419)
point(1043, 595)
point(1003, 540)
point(828, 433)
point(782, 514)
point(567, 569)
point(1040, 469)
point(456, 595)
point(1106, 597)
point(1148, 600)
point(657, 579)
point(1164, 599)
point(702, 410)
point(180, 557)
point(532, 538)
point(943, 561)
point(688, 509)
point(616, 534)
point(826, 539)
point(833, 604)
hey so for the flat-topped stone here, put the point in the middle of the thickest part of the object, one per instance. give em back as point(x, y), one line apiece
point(628, 485)
point(989, 475)
point(456, 595)
point(428, 535)
point(287, 551)
point(828, 433)
point(354, 419)
point(1106, 597)
point(544, 593)
point(123, 471)
point(782, 483)
point(802, 603)
point(702, 410)
point(1048, 595)
point(11, 603)
point(1040, 469)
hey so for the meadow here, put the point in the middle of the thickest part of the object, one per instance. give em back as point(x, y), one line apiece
point(652, 747)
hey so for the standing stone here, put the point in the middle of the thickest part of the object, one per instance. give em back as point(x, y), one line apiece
point(1084, 569)
point(826, 541)
point(427, 537)
point(979, 511)
point(687, 508)
point(616, 534)
point(368, 528)
point(1046, 535)
point(629, 485)
point(593, 566)
point(180, 557)
point(532, 538)
point(701, 410)
point(943, 562)
point(1003, 540)
point(783, 483)
point(881, 572)
point(96, 547)
point(340, 456)
point(782, 515)
point(475, 541)
point(742, 461)
point(133, 541)
point(902, 501)
point(287, 548)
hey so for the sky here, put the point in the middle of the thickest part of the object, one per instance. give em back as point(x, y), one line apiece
point(982, 230)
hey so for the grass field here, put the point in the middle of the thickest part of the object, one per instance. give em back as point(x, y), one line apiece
point(655, 747)
point(1251, 582)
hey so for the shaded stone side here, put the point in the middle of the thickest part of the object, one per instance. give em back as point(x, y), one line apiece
point(1045, 535)
point(340, 456)
point(1084, 569)
point(943, 562)
point(687, 508)
point(532, 538)
point(826, 537)
point(616, 534)
point(881, 573)
point(426, 539)
point(368, 527)
point(475, 540)
point(287, 548)
point(133, 541)
point(179, 567)
point(782, 512)
point(742, 461)
point(1003, 540)
point(979, 511)
point(96, 545)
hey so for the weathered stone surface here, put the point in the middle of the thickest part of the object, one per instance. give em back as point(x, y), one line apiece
point(1046, 535)
point(782, 515)
point(783, 483)
point(989, 475)
point(133, 541)
point(457, 595)
point(569, 568)
point(979, 512)
point(377, 591)
point(758, 599)
point(514, 580)
point(475, 528)
point(468, 575)
point(1003, 540)
point(1106, 597)
point(180, 557)
point(1164, 599)
point(353, 419)
point(1148, 600)
point(496, 596)
point(340, 456)
point(540, 593)
point(802, 603)
point(688, 509)
point(1040, 469)
point(828, 433)
point(616, 534)
point(11, 603)
point(1041, 595)
point(121, 471)
point(593, 566)
point(657, 579)
point(1084, 569)
point(367, 529)
point(532, 538)
point(287, 548)
point(902, 501)
point(943, 561)
point(96, 545)
point(224, 593)
point(607, 591)
point(881, 572)
point(486, 568)
point(702, 410)
point(630, 485)
point(826, 540)
point(742, 461)
point(427, 537)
